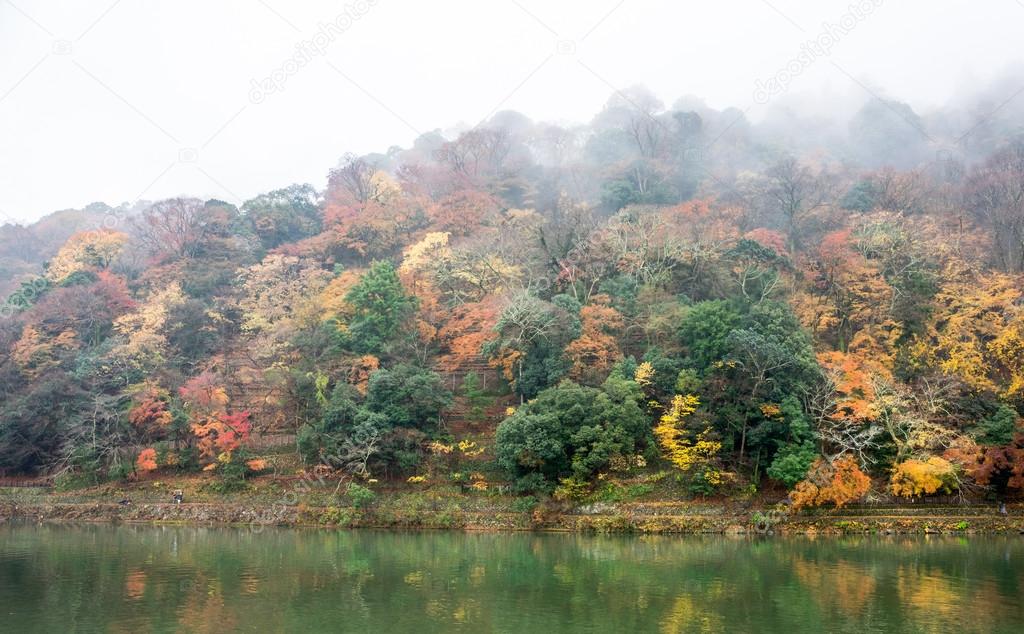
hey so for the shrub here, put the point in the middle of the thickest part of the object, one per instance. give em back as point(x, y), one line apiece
point(792, 462)
point(913, 478)
point(571, 430)
point(360, 496)
point(839, 482)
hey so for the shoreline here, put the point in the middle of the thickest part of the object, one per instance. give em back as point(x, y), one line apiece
point(617, 521)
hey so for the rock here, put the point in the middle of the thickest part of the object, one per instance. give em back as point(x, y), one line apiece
point(596, 508)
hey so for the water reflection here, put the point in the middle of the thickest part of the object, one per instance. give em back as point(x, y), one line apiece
point(141, 579)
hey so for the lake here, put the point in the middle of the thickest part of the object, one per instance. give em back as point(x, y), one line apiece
point(63, 578)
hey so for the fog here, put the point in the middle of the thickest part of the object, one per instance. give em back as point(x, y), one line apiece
point(121, 101)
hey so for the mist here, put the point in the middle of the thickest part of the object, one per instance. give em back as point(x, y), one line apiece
point(123, 102)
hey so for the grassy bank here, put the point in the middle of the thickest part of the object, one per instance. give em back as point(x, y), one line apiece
point(296, 502)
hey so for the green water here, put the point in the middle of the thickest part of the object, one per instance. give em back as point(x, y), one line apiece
point(146, 579)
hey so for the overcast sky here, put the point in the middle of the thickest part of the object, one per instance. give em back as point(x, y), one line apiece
point(116, 101)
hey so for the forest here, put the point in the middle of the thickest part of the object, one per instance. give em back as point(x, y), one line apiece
point(534, 308)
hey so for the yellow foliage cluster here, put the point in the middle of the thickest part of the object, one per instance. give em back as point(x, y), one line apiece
point(478, 482)
point(86, 250)
point(771, 410)
point(144, 329)
point(432, 248)
point(678, 449)
point(35, 352)
point(470, 448)
point(913, 478)
point(977, 332)
point(439, 448)
point(644, 374)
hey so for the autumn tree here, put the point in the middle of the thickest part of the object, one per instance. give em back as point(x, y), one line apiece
point(688, 452)
point(914, 478)
point(975, 332)
point(838, 482)
point(279, 299)
point(86, 251)
point(596, 350)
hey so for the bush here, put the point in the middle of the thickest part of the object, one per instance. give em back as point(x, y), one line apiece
point(359, 496)
point(839, 483)
point(572, 489)
point(525, 504)
point(570, 430)
point(792, 462)
point(913, 478)
point(408, 396)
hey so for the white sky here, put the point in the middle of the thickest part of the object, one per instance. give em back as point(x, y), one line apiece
point(106, 101)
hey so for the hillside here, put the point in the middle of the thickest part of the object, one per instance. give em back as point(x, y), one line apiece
point(657, 306)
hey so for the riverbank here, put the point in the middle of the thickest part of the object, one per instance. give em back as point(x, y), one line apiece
point(423, 510)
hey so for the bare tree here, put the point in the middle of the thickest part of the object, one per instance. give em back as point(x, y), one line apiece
point(994, 195)
point(794, 192)
point(172, 228)
point(355, 179)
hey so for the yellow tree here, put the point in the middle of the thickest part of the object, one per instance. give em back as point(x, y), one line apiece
point(143, 332)
point(86, 250)
point(975, 332)
point(685, 453)
point(913, 478)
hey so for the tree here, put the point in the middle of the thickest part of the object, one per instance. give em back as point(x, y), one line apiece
point(33, 425)
point(86, 251)
point(284, 215)
point(975, 332)
point(688, 453)
point(914, 478)
point(532, 335)
point(380, 310)
point(994, 195)
point(798, 450)
point(408, 396)
point(596, 350)
point(704, 332)
point(999, 467)
point(467, 328)
point(279, 299)
point(793, 193)
point(142, 345)
point(839, 482)
point(217, 431)
point(570, 430)
point(175, 228)
point(888, 132)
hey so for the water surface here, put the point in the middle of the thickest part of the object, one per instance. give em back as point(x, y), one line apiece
point(162, 579)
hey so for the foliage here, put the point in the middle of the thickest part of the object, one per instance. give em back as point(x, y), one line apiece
point(697, 454)
point(792, 462)
point(360, 496)
point(408, 396)
point(828, 317)
point(380, 309)
point(913, 478)
point(838, 482)
point(570, 430)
